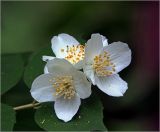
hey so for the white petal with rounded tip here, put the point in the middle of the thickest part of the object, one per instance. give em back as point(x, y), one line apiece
point(89, 72)
point(60, 66)
point(42, 90)
point(47, 58)
point(82, 85)
point(60, 42)
point(65, 109)
point(93, 47)
point(112, 85)
point(120, 55)
point(104, 41)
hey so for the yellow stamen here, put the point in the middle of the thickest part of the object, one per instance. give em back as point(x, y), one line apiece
point(103, 65)
point(63, 86)
point(75, 53)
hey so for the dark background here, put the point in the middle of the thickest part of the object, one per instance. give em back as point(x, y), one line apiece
point(29, 26)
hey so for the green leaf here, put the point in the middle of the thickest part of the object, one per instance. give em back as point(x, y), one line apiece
point(89, 117)
point(36, 65)
point(7, 118)
point(12, 69)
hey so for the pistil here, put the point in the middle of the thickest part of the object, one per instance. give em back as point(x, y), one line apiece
point(63, 86)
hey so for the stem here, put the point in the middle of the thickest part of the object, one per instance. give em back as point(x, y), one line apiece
point(31, 105)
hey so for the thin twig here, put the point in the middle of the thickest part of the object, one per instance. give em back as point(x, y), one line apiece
point(27, 106)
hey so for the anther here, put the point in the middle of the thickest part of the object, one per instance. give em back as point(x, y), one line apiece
point(62, 50)
point(74, 52)
point(63, 86)
point(102, 64)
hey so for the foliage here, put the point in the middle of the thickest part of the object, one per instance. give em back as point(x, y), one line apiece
point(11, 70)
point(35, 66)
point(89, 117)
point(7, 118)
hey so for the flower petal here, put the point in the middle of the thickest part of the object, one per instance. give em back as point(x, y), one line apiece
point(60, 42)
point(93, 47)
point(82, 85)
point(112, 85)
point(47, 58)
point(41, 89)
point(120, 55)
point(79, 65)
point(89, 72)
point(45, 70)
point(60, 66)
point(104, 41)
point(65, 109)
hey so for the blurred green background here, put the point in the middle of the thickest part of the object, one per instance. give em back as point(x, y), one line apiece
point(29, 26)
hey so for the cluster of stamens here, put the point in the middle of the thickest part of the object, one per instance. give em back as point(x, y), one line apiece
point(63, 86)
point(74, 53)
point(103, 65)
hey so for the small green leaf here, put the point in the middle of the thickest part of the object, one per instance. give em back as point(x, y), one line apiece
point(12, 69)
point(36, 65)
point(89, 117)
point(7, 118)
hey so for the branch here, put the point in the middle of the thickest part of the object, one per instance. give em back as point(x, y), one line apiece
point(27, 106)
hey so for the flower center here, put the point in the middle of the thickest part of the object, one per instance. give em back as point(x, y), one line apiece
point(63, 86)
point(74, 53)
point(103, 65)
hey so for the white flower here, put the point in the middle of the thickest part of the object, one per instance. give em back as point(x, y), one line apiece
point(64, 85)
point(102, 62)
point(66, 46)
